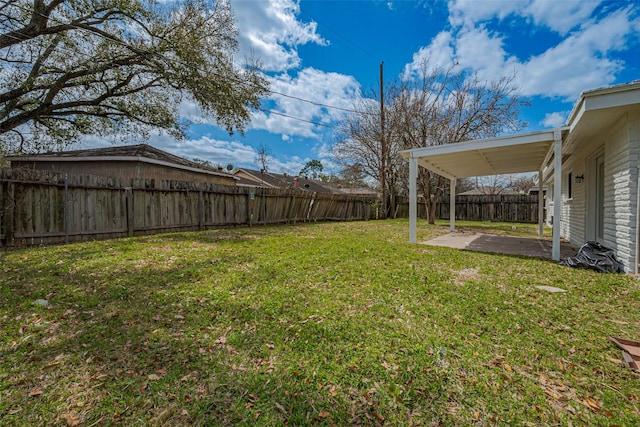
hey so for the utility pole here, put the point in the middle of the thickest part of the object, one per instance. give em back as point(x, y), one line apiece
point(383, 146)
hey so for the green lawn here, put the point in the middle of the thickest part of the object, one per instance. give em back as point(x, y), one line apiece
point(314, 324)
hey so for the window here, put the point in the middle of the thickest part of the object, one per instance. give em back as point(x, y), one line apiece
point(570, 185)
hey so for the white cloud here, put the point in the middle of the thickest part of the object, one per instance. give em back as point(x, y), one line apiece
point(579, 62)
point(270, 31)
point(582, 60)
point(477, 49)
point(191, 111)
point(559, 16)
point(470, 12)
point(554, 120)
point(322, 88)
point(439, 54)
point(206, 148)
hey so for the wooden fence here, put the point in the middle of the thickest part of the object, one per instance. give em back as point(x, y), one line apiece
point(43, 208)
point(502, 208)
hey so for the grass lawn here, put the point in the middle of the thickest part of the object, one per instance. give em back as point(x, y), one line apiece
point(313, 324)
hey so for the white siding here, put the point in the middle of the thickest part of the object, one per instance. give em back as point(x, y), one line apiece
point(634, 158)
point(574, 211)
point(622, 160)
point(572, 226)
point(621, 179)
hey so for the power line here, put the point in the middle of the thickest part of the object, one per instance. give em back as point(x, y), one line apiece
point(319, 104)
point(297, 118)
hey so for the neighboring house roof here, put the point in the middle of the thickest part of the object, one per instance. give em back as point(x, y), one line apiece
point(141, 152)
point(255, 178)
point(535, 190)
point(359, 191)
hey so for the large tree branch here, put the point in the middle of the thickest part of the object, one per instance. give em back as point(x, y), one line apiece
point(35, 27)
point(49, 110)
point(110, 56)
point(72, 79)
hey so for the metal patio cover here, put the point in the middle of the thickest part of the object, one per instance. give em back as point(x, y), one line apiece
point(505, 155)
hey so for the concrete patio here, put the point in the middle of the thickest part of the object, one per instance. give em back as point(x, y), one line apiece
point(491, 243)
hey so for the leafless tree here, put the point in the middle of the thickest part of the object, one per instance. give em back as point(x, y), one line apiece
point(360, 143)
point(263, 154)
point(438, 106)
point(449, 106)
point(523, 183)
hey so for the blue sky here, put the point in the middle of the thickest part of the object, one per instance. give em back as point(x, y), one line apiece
point(329, 52)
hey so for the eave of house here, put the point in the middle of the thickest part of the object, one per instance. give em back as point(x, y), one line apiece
point(599, 109)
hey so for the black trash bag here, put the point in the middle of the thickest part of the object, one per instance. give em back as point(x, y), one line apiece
point(594, 256)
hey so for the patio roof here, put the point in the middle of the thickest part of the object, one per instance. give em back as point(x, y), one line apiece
point(530, 152)
point(510, 154)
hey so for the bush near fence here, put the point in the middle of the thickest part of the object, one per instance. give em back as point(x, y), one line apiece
point(39, 207)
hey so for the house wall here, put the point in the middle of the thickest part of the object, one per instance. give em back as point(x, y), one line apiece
point(621, 148)
point(574, 210)
point(126, 170)
point(622, 156)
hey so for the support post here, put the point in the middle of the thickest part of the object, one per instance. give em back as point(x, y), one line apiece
point(540, 205)
point(452, 204)
point(383, 147)
point(557, 193)
point(413, 200)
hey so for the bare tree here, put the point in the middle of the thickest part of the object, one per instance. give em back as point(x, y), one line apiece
point(523, 183)
point(449, 106)
point(360, 143)
point(263, 154)
point(440, 106)
point(494, 185)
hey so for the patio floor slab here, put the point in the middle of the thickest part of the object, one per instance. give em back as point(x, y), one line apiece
point(510, 245)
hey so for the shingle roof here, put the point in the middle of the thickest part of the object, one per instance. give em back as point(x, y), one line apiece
point(134, 151)
point(276, 180)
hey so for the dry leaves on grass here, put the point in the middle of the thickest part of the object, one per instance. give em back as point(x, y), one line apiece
point(466, 275)
point(72, 420)
point(562, 396)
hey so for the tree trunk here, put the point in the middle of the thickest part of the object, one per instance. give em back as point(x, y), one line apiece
point(431, 195)
point(431, 207)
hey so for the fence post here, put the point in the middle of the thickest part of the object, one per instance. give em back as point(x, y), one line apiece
point(200, 210)
point(66, 208)
point(250, 201)
point(9, 208)
point(292, 209)
point(264, 202)
point(311, 202)
point(129, 202)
